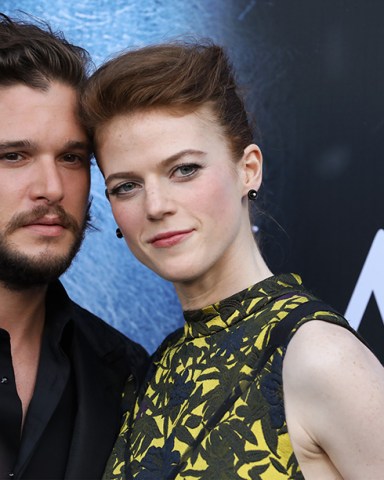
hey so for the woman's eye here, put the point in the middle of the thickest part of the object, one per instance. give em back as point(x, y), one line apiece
point(122, 189)
point(186, 170)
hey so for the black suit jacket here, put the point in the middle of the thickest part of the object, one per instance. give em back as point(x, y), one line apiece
point(102, 361)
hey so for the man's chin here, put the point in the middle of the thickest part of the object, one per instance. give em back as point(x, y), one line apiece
point(21, 271)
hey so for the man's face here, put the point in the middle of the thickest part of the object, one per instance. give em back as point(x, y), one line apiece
point(44, 183)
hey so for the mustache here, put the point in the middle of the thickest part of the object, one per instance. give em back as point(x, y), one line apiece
point(25, 218)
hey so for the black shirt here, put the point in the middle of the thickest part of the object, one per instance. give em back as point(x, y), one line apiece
point(51, 414)
point(75, 413)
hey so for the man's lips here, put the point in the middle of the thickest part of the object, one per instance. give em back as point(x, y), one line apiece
point(168, 239)
point(44, 219)
point(47, 226)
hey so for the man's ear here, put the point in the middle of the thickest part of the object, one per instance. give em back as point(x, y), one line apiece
point(252, 168)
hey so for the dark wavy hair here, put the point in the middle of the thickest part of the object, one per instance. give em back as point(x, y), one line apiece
point(33, 55)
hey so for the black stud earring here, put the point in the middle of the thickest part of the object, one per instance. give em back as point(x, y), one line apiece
point(252, 194)
point(118, 233)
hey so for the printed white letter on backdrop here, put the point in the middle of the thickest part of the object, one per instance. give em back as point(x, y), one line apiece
point(370, 282)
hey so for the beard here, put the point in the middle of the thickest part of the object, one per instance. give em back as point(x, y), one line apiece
point(19, 271)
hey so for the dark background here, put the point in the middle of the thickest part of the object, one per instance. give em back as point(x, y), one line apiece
point(329, 173)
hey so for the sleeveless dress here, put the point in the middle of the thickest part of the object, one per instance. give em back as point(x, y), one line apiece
point(203, 412)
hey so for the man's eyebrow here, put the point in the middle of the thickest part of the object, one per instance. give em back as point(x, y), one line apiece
point(77, 145)
point(71, 144)
point(167, 161)
point(16, 144)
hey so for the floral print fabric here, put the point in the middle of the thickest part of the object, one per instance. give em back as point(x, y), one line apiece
point(188, 424)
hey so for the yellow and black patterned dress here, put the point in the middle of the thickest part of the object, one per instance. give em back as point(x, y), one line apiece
point(206, 411)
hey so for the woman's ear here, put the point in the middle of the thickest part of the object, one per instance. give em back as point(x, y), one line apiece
point(252, 168)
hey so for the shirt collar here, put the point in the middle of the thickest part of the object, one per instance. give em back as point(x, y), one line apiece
point(59, 312)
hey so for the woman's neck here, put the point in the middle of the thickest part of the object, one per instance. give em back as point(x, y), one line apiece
point(241, 270)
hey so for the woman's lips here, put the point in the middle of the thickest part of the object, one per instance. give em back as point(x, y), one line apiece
point(169, 239)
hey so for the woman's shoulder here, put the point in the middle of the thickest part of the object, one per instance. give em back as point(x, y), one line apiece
point(321, 354)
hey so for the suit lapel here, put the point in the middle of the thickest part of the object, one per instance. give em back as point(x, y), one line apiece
point(99, 410)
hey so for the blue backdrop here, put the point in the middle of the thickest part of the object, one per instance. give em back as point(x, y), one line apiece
point(314, 74)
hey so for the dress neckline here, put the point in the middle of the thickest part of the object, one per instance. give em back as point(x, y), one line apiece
point(229, 311)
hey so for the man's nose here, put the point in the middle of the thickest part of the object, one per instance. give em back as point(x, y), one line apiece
point(47, 183)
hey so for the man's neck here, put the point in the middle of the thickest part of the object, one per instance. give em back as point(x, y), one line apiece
point(22, 313)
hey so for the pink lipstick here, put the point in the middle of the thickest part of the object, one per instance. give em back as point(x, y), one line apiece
point(169, 239)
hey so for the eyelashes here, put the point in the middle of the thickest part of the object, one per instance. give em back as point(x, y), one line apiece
point(186, 170)
point(180, 173)
point(122, 189)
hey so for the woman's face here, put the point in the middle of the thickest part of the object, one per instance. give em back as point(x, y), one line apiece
point(176, 193)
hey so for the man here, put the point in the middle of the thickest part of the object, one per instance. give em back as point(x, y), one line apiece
point(62, 370)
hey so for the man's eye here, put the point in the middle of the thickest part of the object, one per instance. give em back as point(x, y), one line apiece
point(72, 158)
point(11, 157)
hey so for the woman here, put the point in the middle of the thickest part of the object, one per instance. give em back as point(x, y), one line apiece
point(173, 142)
